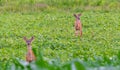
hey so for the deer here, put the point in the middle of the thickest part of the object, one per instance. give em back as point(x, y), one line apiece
point(78, 24)
point(30, 55)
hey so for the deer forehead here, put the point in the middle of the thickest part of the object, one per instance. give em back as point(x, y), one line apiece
point(28, 41)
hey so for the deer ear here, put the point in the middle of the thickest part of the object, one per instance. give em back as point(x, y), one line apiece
point(75, 15)
point(25, 38)
point(79, 14)
point(32, 38)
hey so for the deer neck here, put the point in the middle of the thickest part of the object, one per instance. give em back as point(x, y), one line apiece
point(29, 47)
point(77, 20)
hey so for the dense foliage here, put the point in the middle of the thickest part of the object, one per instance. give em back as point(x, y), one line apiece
point(51, 22)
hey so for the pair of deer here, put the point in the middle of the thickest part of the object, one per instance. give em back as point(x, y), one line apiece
point(30, 55)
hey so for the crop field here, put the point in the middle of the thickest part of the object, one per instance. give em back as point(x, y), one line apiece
point(55, 45)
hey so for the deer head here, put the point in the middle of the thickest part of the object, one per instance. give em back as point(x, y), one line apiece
point(28, 41)
point(77, 16)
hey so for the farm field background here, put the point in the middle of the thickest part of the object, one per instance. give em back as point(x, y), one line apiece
point(51, 22)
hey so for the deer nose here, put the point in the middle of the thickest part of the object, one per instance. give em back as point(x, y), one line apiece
point(28, 43)
point(78, 18)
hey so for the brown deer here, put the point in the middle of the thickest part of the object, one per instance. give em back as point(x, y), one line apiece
point(78, 24)
point(30, 55)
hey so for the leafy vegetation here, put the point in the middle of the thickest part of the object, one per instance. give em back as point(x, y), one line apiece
point(52, 25)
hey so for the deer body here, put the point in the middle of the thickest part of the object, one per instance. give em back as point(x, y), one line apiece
point(30, 55)
point(78, 25)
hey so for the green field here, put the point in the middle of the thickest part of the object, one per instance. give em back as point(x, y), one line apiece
point(51, 22)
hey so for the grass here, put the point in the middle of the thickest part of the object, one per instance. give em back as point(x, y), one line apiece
point(52, 27)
